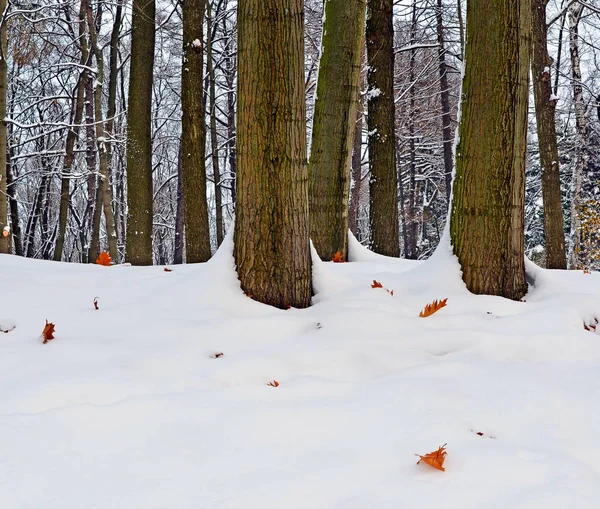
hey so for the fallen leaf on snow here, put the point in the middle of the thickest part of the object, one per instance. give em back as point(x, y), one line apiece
point(434, 459)
point(217, 355)
point(167, 269)
point(104, 259)
point(338, 258)
point(376, 284)
point(96, 303)
point(273, 383)
point(48, 332)
point(432, 308)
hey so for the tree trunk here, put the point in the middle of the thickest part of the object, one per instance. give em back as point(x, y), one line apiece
point(487, 218)
point(139, 139)
point(214, 147)
point(582, 155)
point(230, 72)
point(178, 251)
point(72, 135)
point(354, 204)
point(412, 223)
point(90, 157)
point(445, 102)
point(545, 105)
point(14, 210)
point(193, 135)
point(336, 103)
point(272, 247)
point(103, 196)
point(112, 111)
point(383, 182)
point(4, 228)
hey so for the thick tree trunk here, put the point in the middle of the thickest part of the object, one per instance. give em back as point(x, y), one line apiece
point(214, 147)
point(582, 154)
point(383, 182)
point(193, 135)
point(487, 219)
point(4, 228)
point(72, 135)
point(336, 103)
point(545, 105)
point(445, 101)
point(139, 139)
point(272, 248)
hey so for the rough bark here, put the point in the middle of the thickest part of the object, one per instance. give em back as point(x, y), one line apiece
point(487, 218)
point(72, 135)
point(336, 103)
point(383, 181)
point(582, 154)
point(193, 135)
point(4, 227)
point(214, 148)
point(271, 236)
point(139, 141)
point(545, 105)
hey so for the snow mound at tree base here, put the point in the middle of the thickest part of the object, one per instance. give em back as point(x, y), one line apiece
point(128, 407)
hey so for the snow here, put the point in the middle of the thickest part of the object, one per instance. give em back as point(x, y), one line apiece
point(127, 406)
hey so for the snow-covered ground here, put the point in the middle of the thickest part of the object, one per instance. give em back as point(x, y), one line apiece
point(127, 407)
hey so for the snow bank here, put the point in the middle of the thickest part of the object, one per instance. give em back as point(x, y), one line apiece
point(128, 407)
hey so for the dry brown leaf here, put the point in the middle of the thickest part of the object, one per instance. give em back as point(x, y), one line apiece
point(48, 332)
point(435, 459)
point(273, 383)
point(167, 269)
point(96, 303)
point(217, 355)
point(338, 258)
point(376, 284)
point(432, 308)
point(591, 326)
point(104, 259)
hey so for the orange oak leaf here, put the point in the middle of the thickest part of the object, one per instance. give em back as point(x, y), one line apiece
point(435, 459)
point(376, 284)
point(432, 308)
point(273, 383)
point(48, 332)
point(338, 258)
point(104, 259)
point(167, 269)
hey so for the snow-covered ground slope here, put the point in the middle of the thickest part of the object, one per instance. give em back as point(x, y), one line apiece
point(127, 407)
